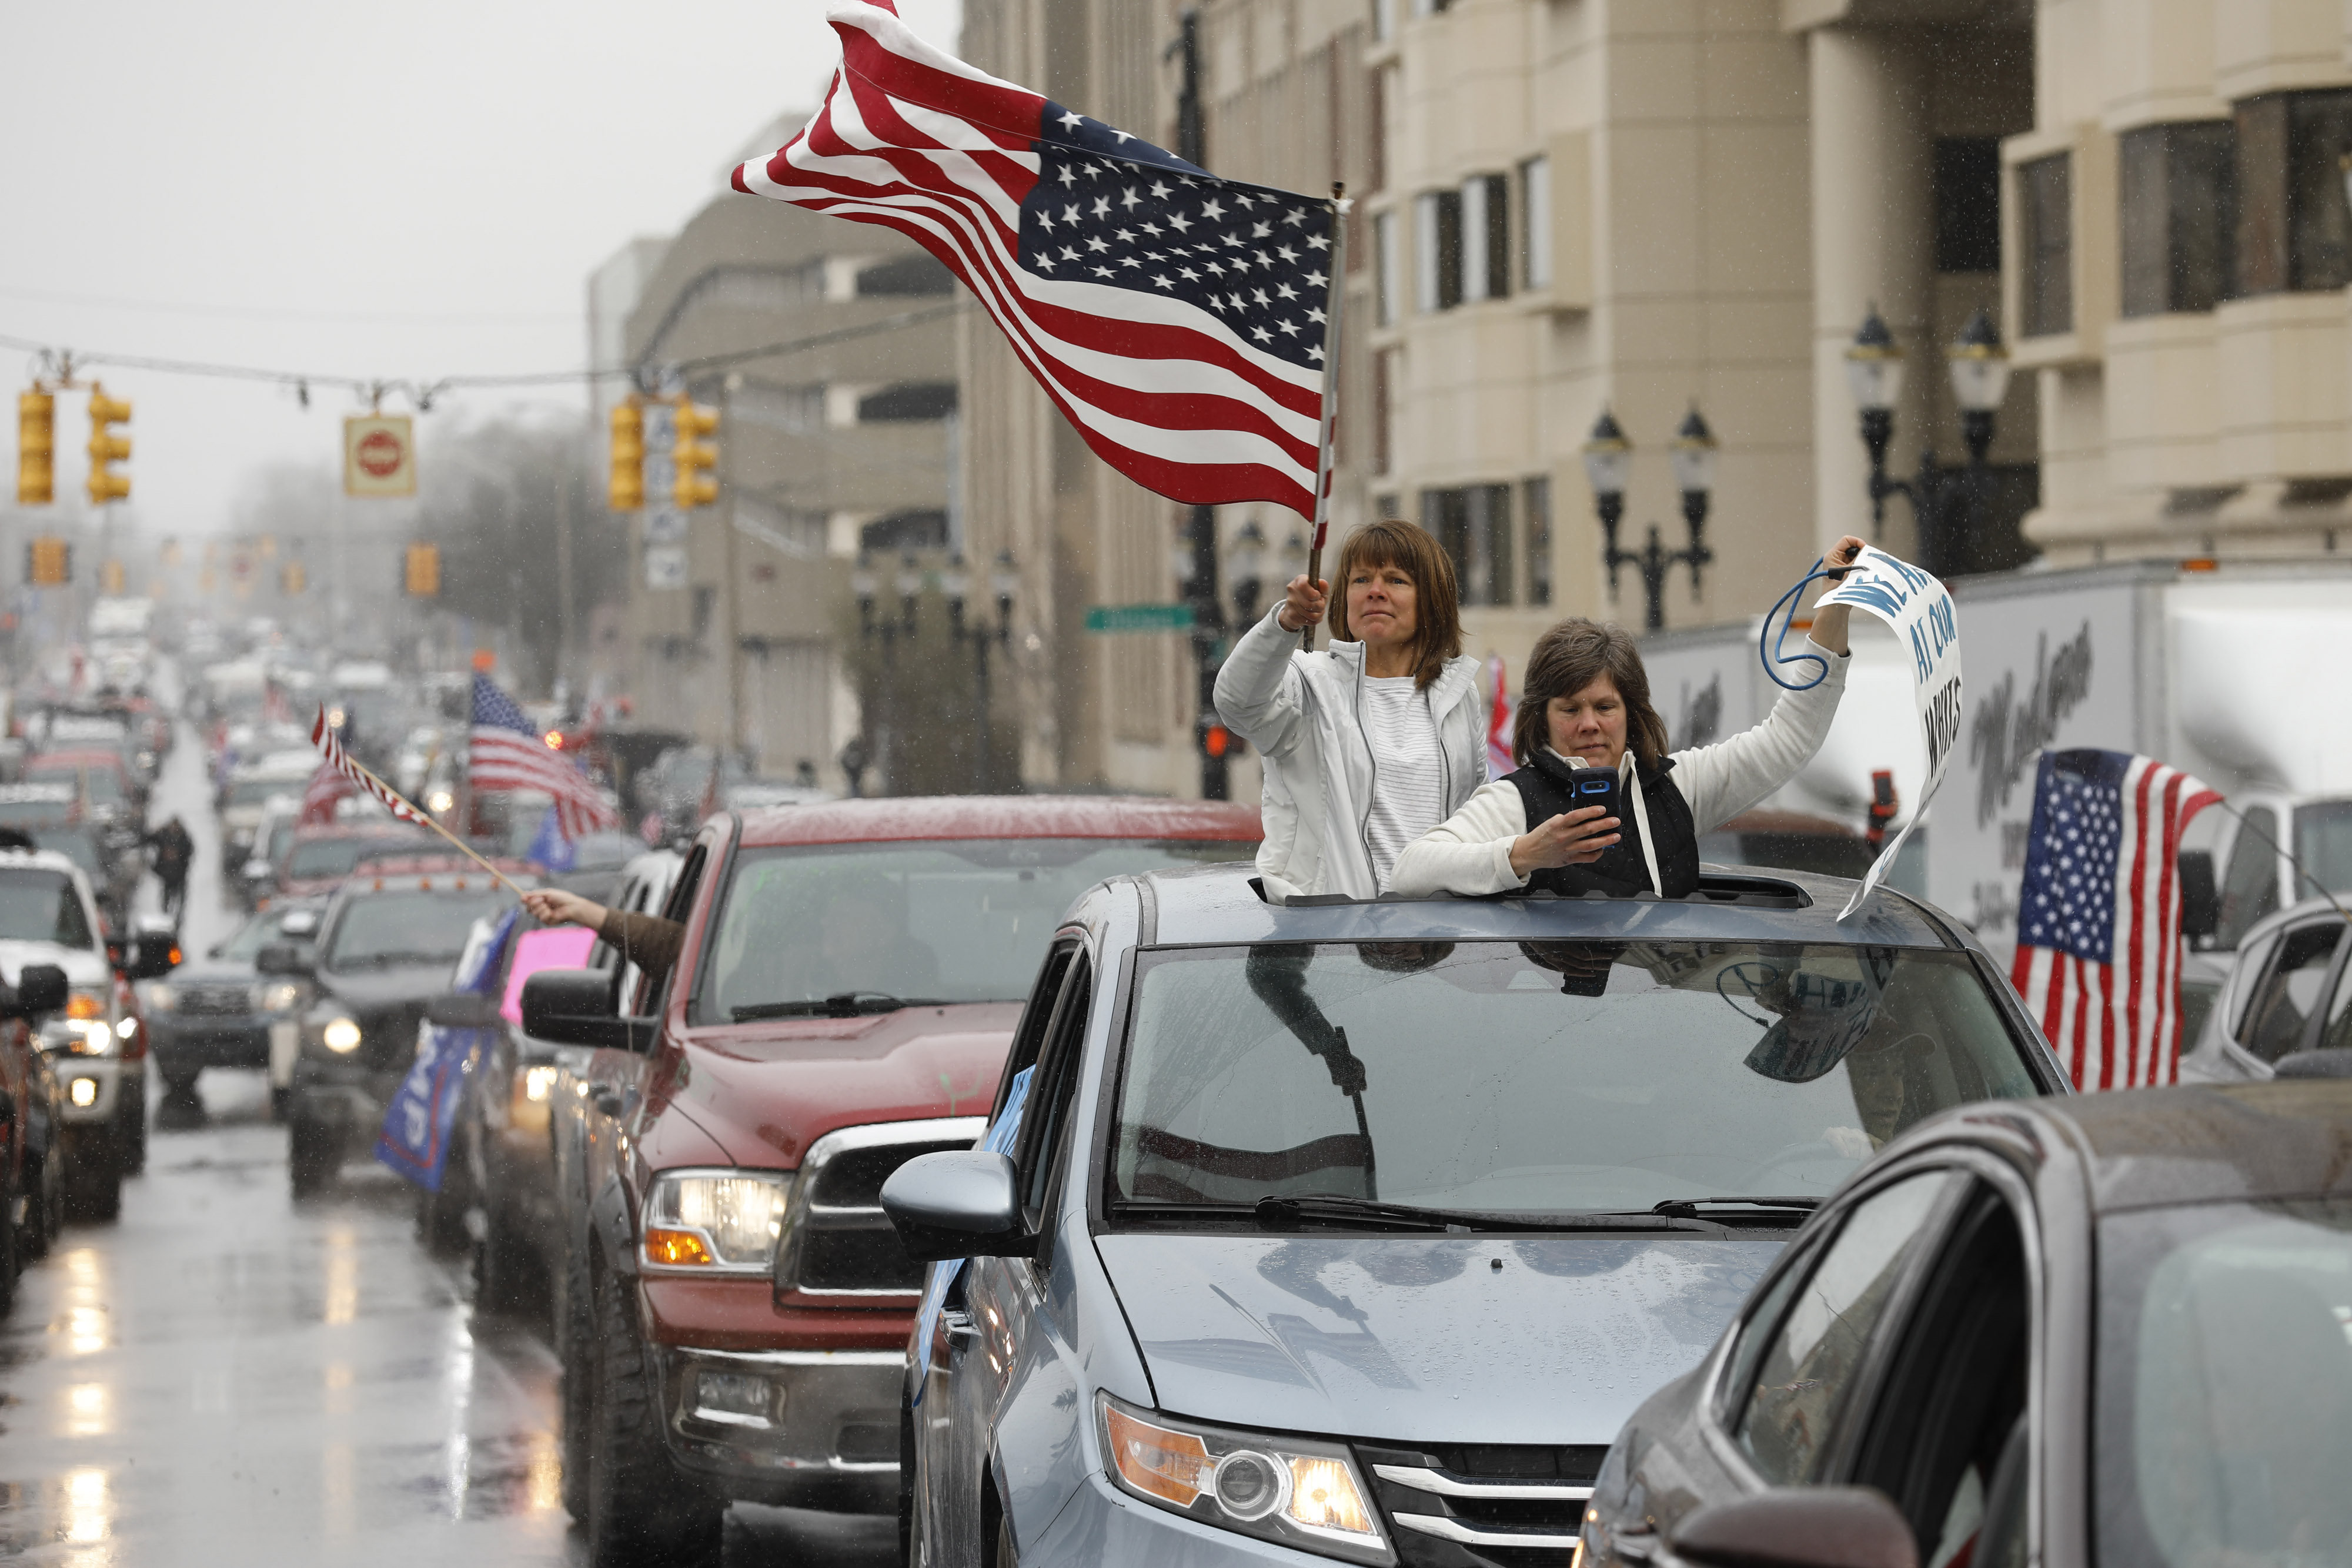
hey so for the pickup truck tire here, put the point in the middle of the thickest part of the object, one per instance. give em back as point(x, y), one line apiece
point(12, 1247)
point(130, 1135)
point(642, 1508)
point(575, 1334)
point(93, 1174)
point(314, 1155)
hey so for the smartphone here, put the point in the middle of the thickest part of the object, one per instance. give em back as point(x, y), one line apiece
point(1593, 787)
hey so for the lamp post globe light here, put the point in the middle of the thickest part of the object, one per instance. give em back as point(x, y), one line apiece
point(1944, 500)
point(1608, 467)
point(956, 582)
point(1246, 562)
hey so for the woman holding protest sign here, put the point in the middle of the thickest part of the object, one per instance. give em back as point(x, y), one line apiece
point(1371, 742)
point(1586, 699)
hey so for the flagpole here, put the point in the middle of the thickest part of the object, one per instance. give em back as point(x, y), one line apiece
point(427, 818)
point(1330, 393)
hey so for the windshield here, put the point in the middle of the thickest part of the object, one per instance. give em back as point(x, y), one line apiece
point(2224, 1394)
point(2323, 842)
point(1542, 1077)
point(41, 906)
point(72, 843)
point(958, 921)
point(257, 933)
point(423, 926)
point(336, 857)
point(261, 791)
point(47, 806)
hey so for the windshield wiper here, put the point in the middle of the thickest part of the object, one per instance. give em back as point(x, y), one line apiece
point(1691, 1207)
point(1279, 1213)
point(845, 1005)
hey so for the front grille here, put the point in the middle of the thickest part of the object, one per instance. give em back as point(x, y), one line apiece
point(836, 1241)
point(1468, 1505)
point(216, 1001)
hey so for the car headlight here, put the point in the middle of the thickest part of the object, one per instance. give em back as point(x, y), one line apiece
point(1294, 1491)
point(277, 997)
point(159, 996)
point(716, 1219)
point(87, 1028)
point(341, 1035)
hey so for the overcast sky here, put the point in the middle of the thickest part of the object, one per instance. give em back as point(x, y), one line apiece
point(396, 192)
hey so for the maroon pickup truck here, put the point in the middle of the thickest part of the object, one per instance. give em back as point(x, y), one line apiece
point(734, 1307)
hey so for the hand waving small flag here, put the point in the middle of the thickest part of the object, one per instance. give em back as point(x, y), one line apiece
point(1179, 320)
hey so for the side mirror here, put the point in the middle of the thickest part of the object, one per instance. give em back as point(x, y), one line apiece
point(156, 955)
point(2200, 900)
point(40, 988)
point(463, 1010)
point(1797, 1527)
point(574, 1007)
point(957, 1203)
point(284, 958)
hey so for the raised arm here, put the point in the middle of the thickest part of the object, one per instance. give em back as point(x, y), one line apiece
point(1257, 694)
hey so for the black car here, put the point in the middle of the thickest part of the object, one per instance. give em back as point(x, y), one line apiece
point(221, 1011)
point(386, 947)
point(2104, 1330)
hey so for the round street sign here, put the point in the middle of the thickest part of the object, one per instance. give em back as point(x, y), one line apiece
point(380, 454)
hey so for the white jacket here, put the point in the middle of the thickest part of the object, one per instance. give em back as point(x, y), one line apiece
point(1470, 851)
point(1304, 712)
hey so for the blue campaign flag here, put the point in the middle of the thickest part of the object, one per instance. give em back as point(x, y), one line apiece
point(424, 1111)
point(997, 1139)
point(548, 847)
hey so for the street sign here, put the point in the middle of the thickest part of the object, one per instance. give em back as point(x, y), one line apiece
point(1118, 618)
point(665, 526)
point(664, 566)
point(379, 455)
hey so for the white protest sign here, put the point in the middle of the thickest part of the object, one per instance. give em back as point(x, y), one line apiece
point(1918, 610)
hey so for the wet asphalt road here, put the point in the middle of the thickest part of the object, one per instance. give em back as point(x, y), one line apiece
point(225, 1375)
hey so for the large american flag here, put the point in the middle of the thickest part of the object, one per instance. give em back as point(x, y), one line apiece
point(344, 765)
point(2098, 920)
point(1178, 319)
point(508, 753)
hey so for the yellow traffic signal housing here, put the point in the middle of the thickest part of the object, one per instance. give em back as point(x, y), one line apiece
point(109, 579)
point(36, 445)
point(423, 575)
point(107, 448)
point(293, 579)
point(48, 562)
point(626, 491)
point(693, 457)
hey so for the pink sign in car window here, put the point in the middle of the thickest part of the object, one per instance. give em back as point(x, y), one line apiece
point(557, 947)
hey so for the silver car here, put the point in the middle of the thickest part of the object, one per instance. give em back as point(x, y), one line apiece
point(1355, 1230)
point(2287, 994)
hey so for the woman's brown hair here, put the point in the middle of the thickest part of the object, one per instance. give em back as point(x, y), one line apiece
point(1437, 615)
point(1570, 657)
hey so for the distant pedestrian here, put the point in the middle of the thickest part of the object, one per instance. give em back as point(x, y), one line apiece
point(174, 852)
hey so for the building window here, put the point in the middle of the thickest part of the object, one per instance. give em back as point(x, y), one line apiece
point(1383, 412)
point(1535, 508)
point(1968, 203)
point(2177, 215)
point(2045, 189)
point(2294, 230)
point(907, 401)
point(1387, 287)
point(1486, 237)
point(1437, 250)
point(1385, 507)
point(1534, 209)
point(907, 275)
point(1473, 525)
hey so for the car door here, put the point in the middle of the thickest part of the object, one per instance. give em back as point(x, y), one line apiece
point(1014, 1395)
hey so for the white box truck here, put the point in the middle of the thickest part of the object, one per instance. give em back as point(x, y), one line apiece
point(2231, 672)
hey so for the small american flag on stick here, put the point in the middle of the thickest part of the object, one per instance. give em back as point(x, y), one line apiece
point(2098, 918)
point(323, 737)
point(1182, 322)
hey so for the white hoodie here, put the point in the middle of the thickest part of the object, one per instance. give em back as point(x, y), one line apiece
point(1304, 712)
point(1470, 851)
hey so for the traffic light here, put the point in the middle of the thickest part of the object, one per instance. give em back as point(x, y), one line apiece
point(693, 456)
point(423, 575)
point(626, 491)
point(292, 579)
point(36, 444)
point(109, 578)
point(107, 448)
point(1216, 740)
point(48, 562)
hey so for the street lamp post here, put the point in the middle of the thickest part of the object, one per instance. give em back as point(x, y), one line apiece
point(1943, 499)
point(1608, 464)
point(1246, 563)
point(957, 583)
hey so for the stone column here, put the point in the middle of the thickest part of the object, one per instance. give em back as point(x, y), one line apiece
point(1873, 239)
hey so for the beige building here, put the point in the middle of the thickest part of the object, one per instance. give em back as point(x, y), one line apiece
point(735, 633)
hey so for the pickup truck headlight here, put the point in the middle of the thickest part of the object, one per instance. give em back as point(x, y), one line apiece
point(159, 996)
point(276, 996)
point(340, 1035)
point(1297, 1491)
point(88, 1027)
point(716, 1219)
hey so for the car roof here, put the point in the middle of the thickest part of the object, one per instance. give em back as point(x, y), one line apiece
point(455, 874)
point(2185, 1144)
point(999, 817)
point(74, 757)
point(378, 828)
point(1222, 904)
point(46, 860)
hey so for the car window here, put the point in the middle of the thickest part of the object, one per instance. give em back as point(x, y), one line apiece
point(2336, 1028)
point(1541, 1077)
point(2288, 993)
point(1029, 1034)
point(319, 858)
point(38, 905)
point(1798, 1402)
point(1756, 1330)
point(1951, 1398)
point(2250, 889)
point(1055, 1085)
point(256, 934)
point(421, 926)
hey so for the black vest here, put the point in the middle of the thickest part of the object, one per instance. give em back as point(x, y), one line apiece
point(1621, 870)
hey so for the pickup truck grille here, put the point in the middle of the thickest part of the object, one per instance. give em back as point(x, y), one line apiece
point(836, 1241)
point(216, 1000)
point(1482, 1506)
